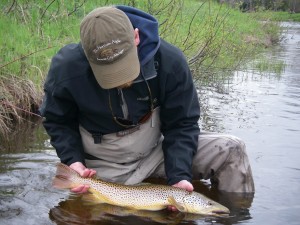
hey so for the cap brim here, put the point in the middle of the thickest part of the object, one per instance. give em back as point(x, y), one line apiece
point(117, 73)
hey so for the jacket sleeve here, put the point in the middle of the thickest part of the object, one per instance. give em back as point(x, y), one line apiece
point(60, 113)
point(180, 113)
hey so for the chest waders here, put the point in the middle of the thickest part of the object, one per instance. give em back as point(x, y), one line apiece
point(128, 156)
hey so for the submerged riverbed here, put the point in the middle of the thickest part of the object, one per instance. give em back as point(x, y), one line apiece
point(262, 109)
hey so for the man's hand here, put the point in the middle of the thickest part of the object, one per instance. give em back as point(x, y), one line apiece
point(84, 172)
point(184, 184)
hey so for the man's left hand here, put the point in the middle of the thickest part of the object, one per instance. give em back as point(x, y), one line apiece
point(184, 184)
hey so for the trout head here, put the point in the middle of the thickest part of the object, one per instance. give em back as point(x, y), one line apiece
point(198, 204)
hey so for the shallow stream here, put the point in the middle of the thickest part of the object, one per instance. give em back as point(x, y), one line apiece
point(263, 110)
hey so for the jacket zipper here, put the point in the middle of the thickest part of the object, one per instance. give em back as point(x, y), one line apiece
point(123, 104)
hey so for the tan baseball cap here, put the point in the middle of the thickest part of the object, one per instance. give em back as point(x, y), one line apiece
point(107, 38)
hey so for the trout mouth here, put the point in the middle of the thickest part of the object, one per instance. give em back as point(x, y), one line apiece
point(220, 212)
point(223, 213)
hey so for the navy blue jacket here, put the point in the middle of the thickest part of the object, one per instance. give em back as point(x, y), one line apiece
point(73, 97)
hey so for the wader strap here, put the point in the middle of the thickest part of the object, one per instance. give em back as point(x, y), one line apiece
point(97, 138)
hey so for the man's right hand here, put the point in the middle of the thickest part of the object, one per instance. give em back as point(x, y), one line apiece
point(184, 184)
point(84, 172)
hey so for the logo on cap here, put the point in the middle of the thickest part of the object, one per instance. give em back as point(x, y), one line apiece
point(108, 52)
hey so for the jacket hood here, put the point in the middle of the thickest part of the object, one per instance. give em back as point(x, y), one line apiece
point(148, 31)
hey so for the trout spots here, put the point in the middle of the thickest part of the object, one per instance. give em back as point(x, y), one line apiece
point(139, 197)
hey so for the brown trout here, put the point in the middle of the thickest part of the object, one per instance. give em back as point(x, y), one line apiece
point(151, 197)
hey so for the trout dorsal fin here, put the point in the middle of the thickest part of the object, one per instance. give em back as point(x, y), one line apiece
point(178, 205)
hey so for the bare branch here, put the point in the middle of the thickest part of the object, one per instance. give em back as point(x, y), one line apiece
point(24, 56)
point(42, 16)
point(76, 8)
point(12, 5)
point(191, 22)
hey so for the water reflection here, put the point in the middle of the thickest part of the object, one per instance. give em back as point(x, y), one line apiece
point(27, 167)
point(25, 187)
point(264, 110)
point(26, 135)
point(75, 210)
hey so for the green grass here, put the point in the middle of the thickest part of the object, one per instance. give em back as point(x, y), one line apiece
point(269, 66)
point(226, 37)
point(39, 29)
point(213, 36)
point(278, 16)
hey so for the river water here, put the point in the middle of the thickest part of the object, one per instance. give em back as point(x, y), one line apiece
point(262, 109)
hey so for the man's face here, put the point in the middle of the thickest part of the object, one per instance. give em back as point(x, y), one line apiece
point(127, 85)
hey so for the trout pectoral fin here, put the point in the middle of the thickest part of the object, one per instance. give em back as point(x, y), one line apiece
point(173, 202)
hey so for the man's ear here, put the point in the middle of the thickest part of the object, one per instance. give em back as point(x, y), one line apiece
point(136, 36)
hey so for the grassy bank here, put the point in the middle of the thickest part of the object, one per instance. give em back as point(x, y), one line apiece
point(278, 16)
point(214, 38)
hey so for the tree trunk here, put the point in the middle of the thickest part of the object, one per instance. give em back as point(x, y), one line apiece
point(294, 6)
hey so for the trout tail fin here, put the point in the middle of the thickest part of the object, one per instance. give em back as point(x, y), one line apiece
point(63, 177)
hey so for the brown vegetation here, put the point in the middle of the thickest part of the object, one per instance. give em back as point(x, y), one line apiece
point(19, 100)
